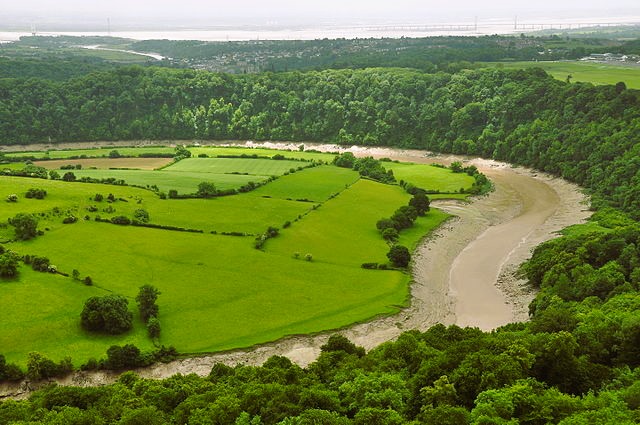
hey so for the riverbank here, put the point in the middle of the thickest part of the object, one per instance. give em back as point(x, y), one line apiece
point(452, 283)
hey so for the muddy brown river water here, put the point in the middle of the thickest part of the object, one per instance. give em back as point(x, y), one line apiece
point(464, 273)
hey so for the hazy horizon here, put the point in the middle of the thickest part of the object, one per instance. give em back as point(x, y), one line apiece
point(120, 14)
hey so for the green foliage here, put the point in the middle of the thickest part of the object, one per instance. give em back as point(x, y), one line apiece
point(206, 190)
point(9, 263)
point(399, 256)
point(40, 367)
point(25, 226)
point(107, 314)
point(181, 153)
point(146, 300)
point(69, 176)
point(153, 327)
point(420, 202)
point(125, 357)
point(141, 215)
point(35, 193)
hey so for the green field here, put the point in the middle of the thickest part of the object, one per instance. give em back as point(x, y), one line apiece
point(165, 180)
point(430, 177)
point(211, 151)
point(587, 72)
point(260, 167)
point(306, 185)
point(92, 153)
point(217, 292)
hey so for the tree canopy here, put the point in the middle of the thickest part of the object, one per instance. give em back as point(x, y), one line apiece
point(109, 314)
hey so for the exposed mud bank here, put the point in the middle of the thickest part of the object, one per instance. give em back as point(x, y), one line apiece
point(464, 273)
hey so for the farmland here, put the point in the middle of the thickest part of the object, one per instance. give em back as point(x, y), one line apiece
point(587, 72)
point(217, 291)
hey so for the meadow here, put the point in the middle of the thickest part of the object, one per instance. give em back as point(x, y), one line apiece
point(218, 292)
point(165, 180)
point(586, 72)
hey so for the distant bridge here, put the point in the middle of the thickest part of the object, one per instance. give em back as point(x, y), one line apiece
point(475, 27)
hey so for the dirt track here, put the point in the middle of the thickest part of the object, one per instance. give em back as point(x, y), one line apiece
point(464, 273)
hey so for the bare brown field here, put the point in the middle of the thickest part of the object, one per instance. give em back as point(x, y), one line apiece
point(106, 163)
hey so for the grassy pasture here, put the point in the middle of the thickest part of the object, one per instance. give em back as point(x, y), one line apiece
point(316, 184)
point(259, 167)
point(41, 312)
point(183, 182)
point(343, 230)
point(214, 151)
point(430, 177)
point(209, 301)
point(587, 72)
point(92, 153)
point(106, 163)
point(239, 213)
point(211, 151)
point(218, 292)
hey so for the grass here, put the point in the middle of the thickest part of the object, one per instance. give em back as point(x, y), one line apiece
point(183, 182)
point(260, 167)
point(217, 292)
point(343, 231)
point(588, 72)
point(214, 151)
point(209, 301)
point(92, 153)
point(106, 163)
point(305, 185)
point(429, 177)
point(41, 311)
point(211, 151)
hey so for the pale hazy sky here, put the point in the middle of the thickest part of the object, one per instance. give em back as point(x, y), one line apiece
point(218, 12)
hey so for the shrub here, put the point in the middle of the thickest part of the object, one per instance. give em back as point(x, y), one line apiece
point(206, 190)
point(69, 219)
point(69, 177)
point(12, 198)
point(399, 256)
point(153, 327)
point(9, 262)
point(390, 234)
point(308, 257)
point(121, 220)
point(127, 356)
point(25, 226)
point(36, 193)
point(109, 314)
point(141, 215)
point(39, 264)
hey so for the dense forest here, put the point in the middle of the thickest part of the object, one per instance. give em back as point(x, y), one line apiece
point(575, 362)
point(587, 134)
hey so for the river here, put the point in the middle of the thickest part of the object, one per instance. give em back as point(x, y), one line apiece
point(464, 273)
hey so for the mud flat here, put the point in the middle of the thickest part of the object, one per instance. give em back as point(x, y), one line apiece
point(464, 273)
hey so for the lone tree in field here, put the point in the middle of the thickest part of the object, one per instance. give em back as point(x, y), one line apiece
point(69, 177)
point(146, 300)
point(206, 190)
point(26, 226)
point(108, 314)
point(399, 255)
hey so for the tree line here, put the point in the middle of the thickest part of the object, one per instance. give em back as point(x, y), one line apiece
point(588, 134)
